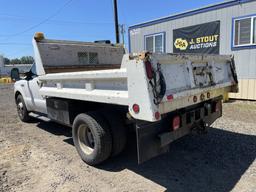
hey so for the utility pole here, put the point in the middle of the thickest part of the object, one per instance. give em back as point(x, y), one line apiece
point(122, 31)
point(116, 22)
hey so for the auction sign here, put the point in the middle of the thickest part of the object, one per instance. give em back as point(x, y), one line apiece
point(203, 38)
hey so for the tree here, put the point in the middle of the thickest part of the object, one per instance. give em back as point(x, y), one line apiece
point(27, 60)
point(6, 61)
point(15, 61)
point(22, 60)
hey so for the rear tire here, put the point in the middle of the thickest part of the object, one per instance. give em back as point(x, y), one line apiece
point(22, 109)
point(118, 131)
point(92, 138)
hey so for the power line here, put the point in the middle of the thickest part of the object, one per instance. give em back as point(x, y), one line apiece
point(13, 17)
point(43, 21)
point(16, 52)
point(26, 44)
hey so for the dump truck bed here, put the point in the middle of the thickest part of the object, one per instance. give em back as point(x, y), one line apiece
point(156, 83)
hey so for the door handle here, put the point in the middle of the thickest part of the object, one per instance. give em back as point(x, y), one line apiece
point(40, 84)
point(22, 85)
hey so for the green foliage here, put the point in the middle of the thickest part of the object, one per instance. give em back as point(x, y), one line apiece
point(22, 60)
point(6, 61)
point(15, 61)
point(27, 60)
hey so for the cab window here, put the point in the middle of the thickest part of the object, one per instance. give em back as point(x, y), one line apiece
point(33, 69)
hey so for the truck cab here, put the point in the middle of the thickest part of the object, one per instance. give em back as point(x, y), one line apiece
point(29, 87)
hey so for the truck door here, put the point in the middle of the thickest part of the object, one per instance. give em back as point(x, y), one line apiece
point(33, 85)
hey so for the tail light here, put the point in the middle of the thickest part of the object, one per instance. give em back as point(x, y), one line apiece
point(157, 115)
point(136, 108)
point(176, 122)
point(170, 97)
point(149, 69)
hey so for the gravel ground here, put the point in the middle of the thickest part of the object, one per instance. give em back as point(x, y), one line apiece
point(40, 156)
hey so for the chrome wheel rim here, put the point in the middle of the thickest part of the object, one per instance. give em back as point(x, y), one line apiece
point(20, 108)
point(86, 139)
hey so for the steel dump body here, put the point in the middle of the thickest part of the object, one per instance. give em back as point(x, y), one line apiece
point(55, 56)
point(176, 81)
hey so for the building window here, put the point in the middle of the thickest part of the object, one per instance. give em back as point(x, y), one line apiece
point(254, 30)
point(155, 43)
point(86, 58)
point(244, 31)
point(83, 58)
point(93, 58)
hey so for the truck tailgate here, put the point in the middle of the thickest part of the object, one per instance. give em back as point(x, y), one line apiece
point(177, 81)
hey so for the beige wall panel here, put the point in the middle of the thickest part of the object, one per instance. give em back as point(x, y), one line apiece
point(251, 90)
point(247, 90)
point(244, 88)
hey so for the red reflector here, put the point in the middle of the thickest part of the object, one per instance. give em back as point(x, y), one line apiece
point(157, 115)
point(136, 108)
point(176, 123)
point(149, 69)
point(170, 97)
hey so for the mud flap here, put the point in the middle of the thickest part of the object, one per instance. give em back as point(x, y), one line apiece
point(153, 139)
point(148, 144)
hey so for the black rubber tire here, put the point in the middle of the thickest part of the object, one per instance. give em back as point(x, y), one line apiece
point(22, 113)
point(101, 135)
point(118, 130)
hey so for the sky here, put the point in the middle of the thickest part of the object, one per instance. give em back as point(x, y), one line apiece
point(81, 20)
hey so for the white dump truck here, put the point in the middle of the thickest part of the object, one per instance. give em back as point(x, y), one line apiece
point(101, 93)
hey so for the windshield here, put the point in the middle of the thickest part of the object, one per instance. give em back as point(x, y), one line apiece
point(33, 69)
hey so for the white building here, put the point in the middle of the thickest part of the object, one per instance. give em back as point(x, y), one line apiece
point(5, 70)
point(224, 28)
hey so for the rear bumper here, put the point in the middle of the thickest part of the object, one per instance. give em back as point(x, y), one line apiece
point(153, 139)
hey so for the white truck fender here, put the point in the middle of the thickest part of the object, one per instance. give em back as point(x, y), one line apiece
point(19, 90)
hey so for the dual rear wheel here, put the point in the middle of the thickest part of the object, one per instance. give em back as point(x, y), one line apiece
point(97, 136)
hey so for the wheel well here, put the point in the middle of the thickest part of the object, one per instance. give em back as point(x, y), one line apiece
point(72, 108)
point(84, 107)
point(17, 94)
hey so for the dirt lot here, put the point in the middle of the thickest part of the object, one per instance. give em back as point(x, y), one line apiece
point(40, 156)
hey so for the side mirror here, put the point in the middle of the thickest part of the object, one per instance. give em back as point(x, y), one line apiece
point(15, 74)
point(28, 75)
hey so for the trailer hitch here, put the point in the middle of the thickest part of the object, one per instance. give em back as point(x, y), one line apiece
point(200, 128)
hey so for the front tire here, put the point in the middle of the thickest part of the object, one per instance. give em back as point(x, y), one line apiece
point(22, 109)
point(92, 138)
